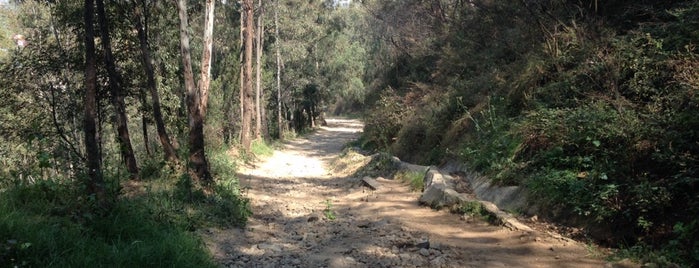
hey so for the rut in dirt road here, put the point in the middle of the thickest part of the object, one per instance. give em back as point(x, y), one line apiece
point(308, 213)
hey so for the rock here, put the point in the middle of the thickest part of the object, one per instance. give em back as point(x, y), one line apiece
point(371, 183)
point(423, 245)
point(312, 218)
point(437, 261)
point(625, 263)
point(424, 252)
point(437, 191)
point(271, 247)
point(506, 219)
point(343, 262)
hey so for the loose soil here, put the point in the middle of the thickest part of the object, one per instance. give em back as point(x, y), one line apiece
point(309, 211)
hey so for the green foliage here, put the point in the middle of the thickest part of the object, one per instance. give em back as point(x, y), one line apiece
point(261, 148)
point(492, 147)
point(49, 225)
point(381, 164)
point(593, 109)
point(328, 212)
point(473, 208)
point(383, 122)
point(413, 178)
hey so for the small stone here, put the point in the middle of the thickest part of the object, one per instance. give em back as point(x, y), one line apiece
point(296, 262)
point(534, 218)
point(423, 245)
point(437, 261)
point(271, 247)
point(371, 183)
point(395, 250)
point(312, 218)
point(424, 252)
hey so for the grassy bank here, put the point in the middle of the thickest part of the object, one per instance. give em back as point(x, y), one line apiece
point(152, 223)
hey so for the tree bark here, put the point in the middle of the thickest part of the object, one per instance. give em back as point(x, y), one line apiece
point(115, 87)
point(258, 58)
point(197, 157)
point(279, 71)
point(144, 121)
point(247, 76)
point(197, 103)
point(94, 183)
point(170, 154)
point(241, 77)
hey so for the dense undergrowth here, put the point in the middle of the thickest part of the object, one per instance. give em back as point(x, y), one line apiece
point(592, 106)
point(48, 223)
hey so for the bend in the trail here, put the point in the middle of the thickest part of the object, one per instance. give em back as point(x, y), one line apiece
point(306, 216)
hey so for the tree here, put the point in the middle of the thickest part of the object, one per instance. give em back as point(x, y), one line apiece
point(170, 153)
point(247, 91)
point(94, 182)
point(279, 69)
point(258, 55)
point(195, 97)
point(115, 87)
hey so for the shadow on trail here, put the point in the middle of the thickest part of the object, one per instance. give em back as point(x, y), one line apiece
point(324, 220)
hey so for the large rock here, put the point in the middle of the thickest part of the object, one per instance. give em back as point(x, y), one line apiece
point(510, 198)
point(439, 191)
point(408, 166)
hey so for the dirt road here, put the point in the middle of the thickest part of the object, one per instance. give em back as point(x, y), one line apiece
point(307, 216)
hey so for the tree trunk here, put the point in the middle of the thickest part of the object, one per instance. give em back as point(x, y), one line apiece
point(279, 71)
point(169, 151)
point(115, 87)
point(193, 99)
point(241, 75)
point(258, 58)
point(94, 183)
point(197, 103)
point(247, 76)
point(144, 121)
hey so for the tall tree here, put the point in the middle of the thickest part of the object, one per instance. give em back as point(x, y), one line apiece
point(197, 103)
point(115, 87)
point(247, 89)
point(279, 69)
point(197, 155)
point(170, 153)
point(94, 182)
point(258, 58)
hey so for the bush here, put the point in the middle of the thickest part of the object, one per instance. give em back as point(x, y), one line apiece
point(413, 178)
point(381, 124)
point(51, 227)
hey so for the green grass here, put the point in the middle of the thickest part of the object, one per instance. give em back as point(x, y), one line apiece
point(413, 178)
point(51, 223)
point(475, 209)
point(62, 232)
point(328, 212)
point(261, 148)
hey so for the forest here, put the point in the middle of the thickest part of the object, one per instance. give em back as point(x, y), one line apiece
point(122, 122)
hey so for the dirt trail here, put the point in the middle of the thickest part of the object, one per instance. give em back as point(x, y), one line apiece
point(290, 191)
